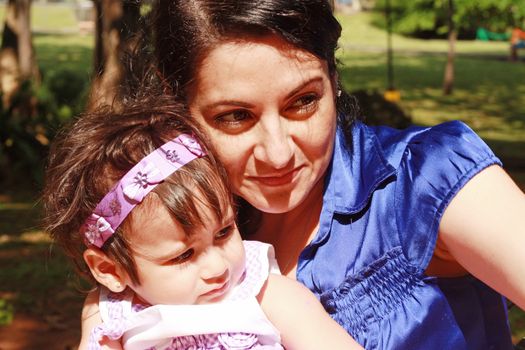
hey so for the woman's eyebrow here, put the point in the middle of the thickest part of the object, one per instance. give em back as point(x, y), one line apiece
point(242, 104)
point(314, 80)
point(229, 103)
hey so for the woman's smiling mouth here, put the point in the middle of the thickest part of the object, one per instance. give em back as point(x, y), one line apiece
point(277, 179)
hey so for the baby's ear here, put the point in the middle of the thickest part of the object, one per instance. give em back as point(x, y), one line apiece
point(105, 270)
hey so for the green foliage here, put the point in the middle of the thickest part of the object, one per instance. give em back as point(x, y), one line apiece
point(22, 138)
point(6, 312)
point(66, 85)
point(517, 319)
point(29, 123)
point(65, 65)
point(427, 18)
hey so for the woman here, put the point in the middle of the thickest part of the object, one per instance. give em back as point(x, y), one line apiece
point(407, 237)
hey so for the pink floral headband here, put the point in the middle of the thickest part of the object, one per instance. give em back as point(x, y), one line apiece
point(135, 185)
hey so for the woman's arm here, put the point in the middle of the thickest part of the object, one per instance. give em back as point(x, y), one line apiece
point(300, 317)
point(90, 319)
point(483, 228)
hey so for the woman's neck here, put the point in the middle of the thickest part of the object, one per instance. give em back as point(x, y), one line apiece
point(290, 232)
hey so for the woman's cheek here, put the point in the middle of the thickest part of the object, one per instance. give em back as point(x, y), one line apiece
point(233, 155)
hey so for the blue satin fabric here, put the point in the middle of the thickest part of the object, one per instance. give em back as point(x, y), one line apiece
point(384, 197)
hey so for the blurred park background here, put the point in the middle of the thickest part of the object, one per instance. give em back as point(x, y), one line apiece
point(406, 61)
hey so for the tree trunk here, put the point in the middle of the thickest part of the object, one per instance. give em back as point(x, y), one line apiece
point(17, 56)
point(116, 27)
point(448, 80)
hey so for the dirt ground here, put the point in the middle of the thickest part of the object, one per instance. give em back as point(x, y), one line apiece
point(47, 307)
point(30, 332)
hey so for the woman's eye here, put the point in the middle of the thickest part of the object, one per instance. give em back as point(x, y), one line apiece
point(233, 117)
point(305, 103)
point(183, 257)
point(224, 233)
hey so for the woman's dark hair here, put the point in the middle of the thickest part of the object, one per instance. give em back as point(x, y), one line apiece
point(186, 30)
point(91, 154)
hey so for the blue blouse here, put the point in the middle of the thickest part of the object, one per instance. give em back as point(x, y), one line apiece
point(384, 197)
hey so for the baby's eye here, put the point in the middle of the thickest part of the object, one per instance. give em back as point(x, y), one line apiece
point(224, 232)
point(183, 257)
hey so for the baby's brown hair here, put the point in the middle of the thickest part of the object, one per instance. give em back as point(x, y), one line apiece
point(97, 149)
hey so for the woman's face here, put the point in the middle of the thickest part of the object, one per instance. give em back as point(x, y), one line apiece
point(269, 110)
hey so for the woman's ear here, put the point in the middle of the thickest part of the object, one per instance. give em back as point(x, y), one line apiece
point(105, 270)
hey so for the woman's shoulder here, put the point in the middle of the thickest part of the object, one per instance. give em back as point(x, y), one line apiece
point(432, 165)
point(454, 133)
point(447, 145)
point(439, 157)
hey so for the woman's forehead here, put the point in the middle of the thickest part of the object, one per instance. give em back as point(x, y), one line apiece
point(234, 50)
point(239, 67)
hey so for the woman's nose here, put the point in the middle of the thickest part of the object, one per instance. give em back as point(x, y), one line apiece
point(275, 144)
point(214, 266)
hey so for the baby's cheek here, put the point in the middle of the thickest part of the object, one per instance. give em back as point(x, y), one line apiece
point(239, 262)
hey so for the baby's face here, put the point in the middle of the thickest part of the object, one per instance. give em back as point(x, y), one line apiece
point(175, 268)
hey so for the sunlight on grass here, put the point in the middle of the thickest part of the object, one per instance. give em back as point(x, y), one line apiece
point(50, 17)
point(489, 92)
point(53, 17)
point(72, 51)
point(358, 31)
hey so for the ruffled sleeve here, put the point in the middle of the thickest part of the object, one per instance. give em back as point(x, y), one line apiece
point(114, 310)
point(260, 262)
point(435, 165)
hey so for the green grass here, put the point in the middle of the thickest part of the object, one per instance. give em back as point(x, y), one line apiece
point(73, 52)
point(50, 17)
point(489, 92)
point(18, 218)
point(38, 280)
point(358, 32)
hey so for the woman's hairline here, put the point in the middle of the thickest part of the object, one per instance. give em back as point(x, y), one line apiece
point(247, 38)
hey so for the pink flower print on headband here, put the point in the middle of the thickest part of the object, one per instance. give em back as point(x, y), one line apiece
point(135, 189)
point(136, 184)
point(99, 231)
point(193, 146)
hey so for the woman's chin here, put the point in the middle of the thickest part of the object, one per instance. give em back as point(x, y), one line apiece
point(283, 199)
point(275, 204)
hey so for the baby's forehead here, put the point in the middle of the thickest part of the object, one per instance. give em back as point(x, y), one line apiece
point(151, 220)
point(155, 235)
point(154, 220)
